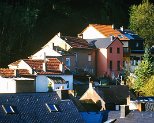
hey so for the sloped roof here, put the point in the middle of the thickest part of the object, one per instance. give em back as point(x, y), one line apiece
point(52, 64)
point(107, 31)
point(76, 42)
point(113, 94)
point(57, 80)
point(104, 42)
point(30, 107)
point(130, 34)
point(132, 117)
point(6, 72)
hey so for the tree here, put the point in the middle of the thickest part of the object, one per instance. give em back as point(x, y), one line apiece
point(148, 89)
point(142, 21)
point(144, 70)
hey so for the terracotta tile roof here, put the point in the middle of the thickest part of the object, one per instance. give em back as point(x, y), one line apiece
point(75, 42)
point(49, 73)
point(107, 30)
point(6, 72)
point(52, 64)
point(23, 72)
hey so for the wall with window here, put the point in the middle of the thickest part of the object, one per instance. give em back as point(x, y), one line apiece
point(85, 60)
point(42, 82)
point(116, 57)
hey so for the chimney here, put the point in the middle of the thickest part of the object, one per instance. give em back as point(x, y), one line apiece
point(112, 37)
point(141, 106)
point(122, 28)
point(44, 63)
point(61, 67)
point(124, 110)
point(112, 26)
point(53, 46)
point(90, 83)
point(16, 72)
point(59, 34)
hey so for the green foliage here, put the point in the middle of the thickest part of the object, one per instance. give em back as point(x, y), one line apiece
point(142, 21)
point(144, 70)
point(50, 89)
point(148, 88)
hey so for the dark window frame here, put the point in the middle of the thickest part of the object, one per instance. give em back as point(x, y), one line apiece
point(118, 65)
point(118, 50)
point(111, 65)
point(51, 108)
point(110, 49)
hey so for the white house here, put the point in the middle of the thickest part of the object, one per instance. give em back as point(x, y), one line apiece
point(44, 70)
point(58, 82)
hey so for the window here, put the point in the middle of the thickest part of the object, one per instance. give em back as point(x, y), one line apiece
point(67, 84)
point(137, 44)
point(118, 65)
point(68, 62)
point(51, 107)
point(118, 50)
point(126, 50)
point(110, 49)
point(89, 58)
point(8, 109)
point(110, 65)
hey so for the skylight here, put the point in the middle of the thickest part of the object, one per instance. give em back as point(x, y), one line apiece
point(8, 109)
point(120, 36)
point(51, 107)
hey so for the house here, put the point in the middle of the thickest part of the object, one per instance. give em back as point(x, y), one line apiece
point(15, 81)
point(44, 71)
point(107, 97)
point(109, 56)
point(37, 108)
point(96, 31)
point(76, 53)
point(134, 52)
point(133, 45)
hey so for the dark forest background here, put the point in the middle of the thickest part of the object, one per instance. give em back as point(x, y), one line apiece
point(26, 25)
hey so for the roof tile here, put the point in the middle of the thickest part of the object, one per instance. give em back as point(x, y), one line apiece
point(107, 30)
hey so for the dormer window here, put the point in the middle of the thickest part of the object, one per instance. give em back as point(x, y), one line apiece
point(52, 107)
point(8, 109)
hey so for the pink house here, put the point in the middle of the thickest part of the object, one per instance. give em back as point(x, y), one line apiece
point(109, 56)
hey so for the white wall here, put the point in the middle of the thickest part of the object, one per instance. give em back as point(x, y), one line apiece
point(92, 33)
point(21, 65)
point(7, 85)
point(48, 52)
point(125, 43)
point(42, 82)
point(57, 42)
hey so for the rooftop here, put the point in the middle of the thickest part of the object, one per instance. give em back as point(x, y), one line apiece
point(76, 42)
point(8, 73)
point(108, 31)
point(32, 107)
